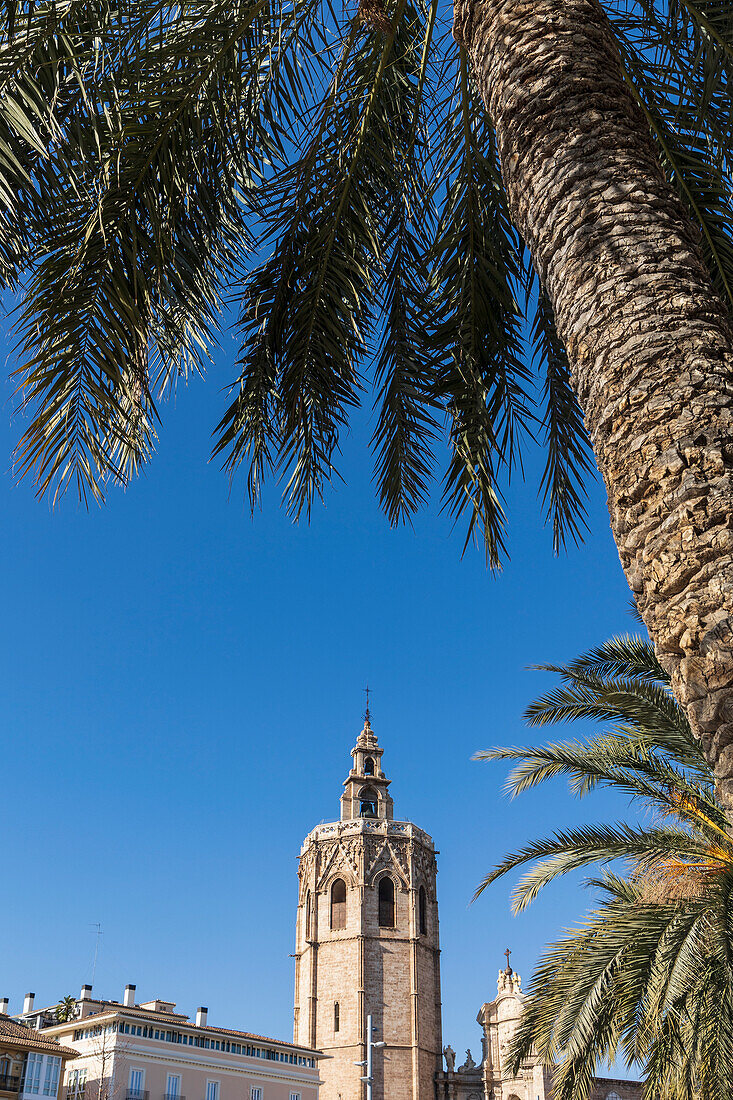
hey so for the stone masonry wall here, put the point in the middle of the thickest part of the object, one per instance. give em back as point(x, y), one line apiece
point(391, 972)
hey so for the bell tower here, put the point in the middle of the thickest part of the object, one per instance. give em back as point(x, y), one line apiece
point(367, 941)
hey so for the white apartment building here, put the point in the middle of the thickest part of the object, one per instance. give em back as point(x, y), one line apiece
point(148, 1051)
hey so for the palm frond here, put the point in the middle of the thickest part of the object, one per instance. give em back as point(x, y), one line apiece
point(677, 59)
point(623, 656)
point(406, 371)
point(648, 975)
point(569, 850)
point(484, 381)
point(125, 294)
point(569, 463)
point(322, 283)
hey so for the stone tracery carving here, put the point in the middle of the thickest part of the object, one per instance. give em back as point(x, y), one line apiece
point(425, 861)
point(341, 856)
point(306, 868)
point(391, 857)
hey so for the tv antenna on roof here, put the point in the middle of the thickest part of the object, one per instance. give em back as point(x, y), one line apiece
point(97, 929)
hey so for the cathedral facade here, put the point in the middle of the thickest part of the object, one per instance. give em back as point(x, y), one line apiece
point(367, 945)
point(491, 1078)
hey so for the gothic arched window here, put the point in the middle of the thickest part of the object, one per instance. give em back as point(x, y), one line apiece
point(338, 904)
point(368, 766)
point(368, 802)
point(422, 904)
point(308, 915)
point(386, 903)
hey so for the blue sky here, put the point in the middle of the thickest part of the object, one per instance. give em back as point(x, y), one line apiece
point(180, 689)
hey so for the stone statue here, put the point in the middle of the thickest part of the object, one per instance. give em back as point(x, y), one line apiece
point(450, 1058)
point(469, 1063)
point(509, 982)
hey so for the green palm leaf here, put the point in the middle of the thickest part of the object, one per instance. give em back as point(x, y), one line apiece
point(339, 178)
point(647, 975)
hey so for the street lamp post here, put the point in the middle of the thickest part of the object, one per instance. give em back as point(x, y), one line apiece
point(371, 1044)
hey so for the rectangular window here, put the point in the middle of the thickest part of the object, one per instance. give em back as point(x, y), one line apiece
point(255, 1093)
point(77, 1083)
point(137, 1084)
point(33, 1074)
point(212, 1090)
point(173, 1086)
point(294, 1096)
point(51, 1080)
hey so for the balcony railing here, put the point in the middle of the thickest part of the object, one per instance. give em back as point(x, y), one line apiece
point(137, 1094)
point(10, 1082)
point(173, 1096)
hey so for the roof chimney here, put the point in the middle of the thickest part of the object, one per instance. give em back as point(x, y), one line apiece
point(4, 1005)
point(86, 993)
point(28, 1002)
point(129, 998)
point(202, 1015)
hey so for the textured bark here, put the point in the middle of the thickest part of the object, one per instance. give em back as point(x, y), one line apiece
point(650, 344)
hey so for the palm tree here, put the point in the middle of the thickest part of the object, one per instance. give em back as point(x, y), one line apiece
point(66, 1009)
point(337, 173)
point(649, 973)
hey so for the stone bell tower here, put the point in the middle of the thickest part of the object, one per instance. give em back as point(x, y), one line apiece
point(367, 942)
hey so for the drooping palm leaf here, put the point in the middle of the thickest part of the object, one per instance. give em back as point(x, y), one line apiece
point(146, 147)
point(648, 974)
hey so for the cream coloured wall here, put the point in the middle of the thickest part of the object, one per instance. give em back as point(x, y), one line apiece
point(110, 1057)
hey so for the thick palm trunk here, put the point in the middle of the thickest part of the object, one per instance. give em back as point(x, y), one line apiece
point(650, 344)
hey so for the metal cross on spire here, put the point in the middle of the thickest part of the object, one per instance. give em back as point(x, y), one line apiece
point(367, 715)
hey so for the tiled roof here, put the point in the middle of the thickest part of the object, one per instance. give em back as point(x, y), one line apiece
point(260, 1038)
point(13, 1034)
point(175, 1022)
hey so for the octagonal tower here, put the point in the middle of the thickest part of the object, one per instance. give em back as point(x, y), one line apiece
point(367, 941)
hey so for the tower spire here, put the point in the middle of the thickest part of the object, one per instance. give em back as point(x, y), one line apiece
point(366, 786)
point(367, 738)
